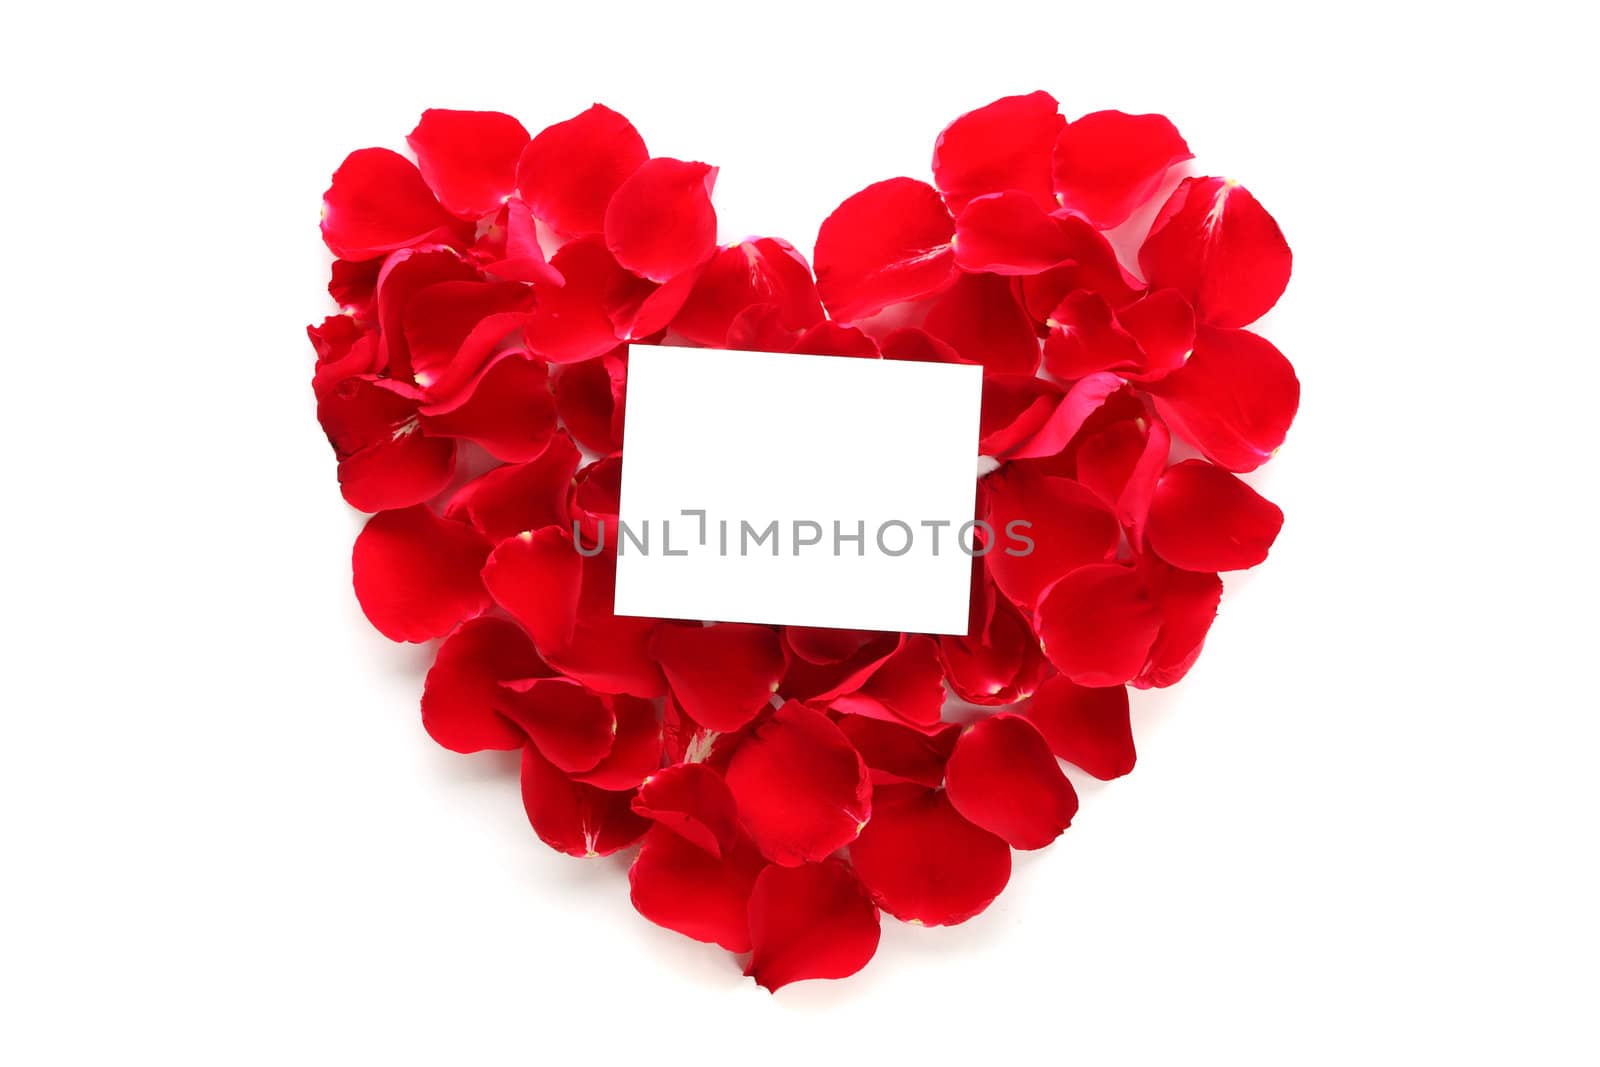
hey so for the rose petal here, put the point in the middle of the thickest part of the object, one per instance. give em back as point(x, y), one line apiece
point(569, 171)
point(1097, 625)
point(762, 270)
point(1204, 519)
point(923, 863)
point(1217, 246)
point(1003, 777)
point(595, 498)
point(439, 319)
point(468, 158)
point(385, 460)
point(416, 575)
point(511, 412)
point(1068, 525)
point(639, 308)
point(572, 817)
point(378, 202)
point(897, 754)
point(694, 802)
point(463, 685)
point(1009, 233)
point(1121, 464)
point(1233, 400)
point(980, 318)
point(693, 892)
point(635, 752)
point(1107, 164)
point(1069, 415)
point(1187, 602)
point(511, 251)
point(570, 323)
point(660, 222)
point(802, 790)
point(590, 398)
point(573, 727)
point(1084, 726)
point(520, 496)
point(917, 345)
point(826, 663)
point(889, 242)
point(722, 675)
point(1093, 267)
point(835, 339)
point(813, 921)
point(536, 576)
point(1003, 145)
point(999, 662)
point(404, 275)
point(907, 687)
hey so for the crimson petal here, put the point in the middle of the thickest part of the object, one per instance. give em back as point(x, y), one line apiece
point(416, 575)
point(1233, 400)
point(694, 892)
point(761, 270)
point(1107, 164)
point(1003, 777)
point(1084, 726)
point(468, 158)
point(980, 318)
point(897, 754)
point(722, 675)
point(385, 460)
point(907, 687)
point(573, 727)
point(377, 203)
point(569, 322)
point(813, 921)
point(1215, 244)
point(923, 863)
point(1097, 624)
point(572, 817)
point(511, 412)
point(537, 576)
point(635, 752)
point(1187, 602)
point(1204, 519)
point(463, 685)
point(569, 171)
point(519, 497)
point(693, 801)
point(1000, 146)
point(888, 243)
point(1068, 525)
point(660, 222)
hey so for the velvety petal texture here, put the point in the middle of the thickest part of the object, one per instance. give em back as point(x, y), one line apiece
point(811, 921)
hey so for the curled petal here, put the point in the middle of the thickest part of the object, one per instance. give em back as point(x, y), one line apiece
point(1071, 412)
point(762, 270)
point(639, 308)
point(468, 158)
point(691, 891)
point(607, 652)
point(404, 275)
point(923, 863)
point(999, 661)
point(385, 460)
point(1093, 267)
point(1068, 527)
point(835, 339)
point(693, 801)
point(590, 397)
point(572, 817)
point(813, 921)
point(897, 754)
point(1086, 337)
point(416, 575)
point(1003, 777)
point(1187, 603)
point(1233, 400)
point(660, 223)
point(439, 319)
point(1008, 233)
point(573, 727)
point(907, 687)
point(1003, 145)
point(569, 171)
point(463, 685)
point(519, 496)
point(511, 412)
point(595, 499)
point(536, 576)
point(1121, 464)
point(377, 203)
point(1084, 726)
point(1217, 246)
point(1107, 164)
point(510, 249)
point(802, 790)
point(1204, 519)
point(980, 318)
point(826, 663)
point(1097, 624)
point(888, 243)
point(570, 323)
point(722, 675)
point(636, 750)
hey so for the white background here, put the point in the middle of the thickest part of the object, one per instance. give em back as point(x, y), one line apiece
point(1362, 830)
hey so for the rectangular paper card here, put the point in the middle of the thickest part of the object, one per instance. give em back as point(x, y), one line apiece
point(794, 489)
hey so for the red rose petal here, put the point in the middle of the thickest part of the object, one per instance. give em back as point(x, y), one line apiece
point(635, 753)
point(377, 203)
point(463, 685)
point(521, 496)
point(1008, 233)
point(722, 675)
point(762, 270)
point(416, 575)
point(1217, 246)
point(1204, 519)
point(511, 251)
point(1071, 412)
point(468, 158)
point(1093, 267)
point(826, 663)
point(439, 319)
point(1163, 325)
point(1086, 727)
point(570, 323)
point(639, 308)
point(590, 397)
point(693, 892)
point(1069, 527)
point(574, 818)
point(385, 460)
point(1121, 465)
point(1187, 602)
point(569, 171)
point(907, 687)
point(660, 222)
point(1107, 164)
point(980, 318)
point(1234, 399)
point(607, 652)
point(896, 754)
point(813, 921)
point(511, 412)
point(918, 346)
point(404, 275)
point(1003, 777)
point(888, 243)
point(694, 802)
point(1003, 145)
point(573, 727)
point(537, 576)
point(835, 339)
point(802, 790)
point(999, 662)
point(595, 499)
point(1097, 624)
point(923, 863)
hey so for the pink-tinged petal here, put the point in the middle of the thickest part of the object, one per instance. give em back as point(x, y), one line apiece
point(907, 687)
point(377, 203)
point(923, 863)
point(693, 801)
point(569, 323)
point(1217, 246)
point(888, 243)
point(896, 754)
point(980, 318)
point(1107, 164)
point(438, 319)
point(693, 892)
point(1008, 233)
point(1204, 519)
point(918, 346)
point(536, 576)
point(511, 413)
point(806, 922)
point(802, 790)
point(1075, 408)
point(572, 817)
point(1003, 777)
point(835, 339)
point(468, 158)
point(1067, 524)
point(660, 223)
point(416, 575)
point(762, 270)
point(1233, 400)
point(1187, 602)
point(520, 496)
point(999, 662)
point(722, 675)
point(635, 752)
point(510, 250)
point(573, 727)
point(1097, 624)
point(385, 460)
point(1003, 145)
point(403, 276)
point(1093, 267)
point(1086, 727)
point(569, 171)
point(463, 685)
point(590, 398)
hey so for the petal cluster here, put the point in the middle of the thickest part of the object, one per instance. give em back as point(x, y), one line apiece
point(781, 788)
